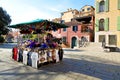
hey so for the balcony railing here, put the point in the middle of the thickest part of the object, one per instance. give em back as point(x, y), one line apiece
point(82, 14)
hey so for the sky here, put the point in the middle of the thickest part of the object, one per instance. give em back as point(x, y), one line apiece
point(28, 10)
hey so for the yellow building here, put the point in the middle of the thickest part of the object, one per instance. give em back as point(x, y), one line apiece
point(107, 22)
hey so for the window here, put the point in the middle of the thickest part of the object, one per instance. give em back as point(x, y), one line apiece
point(101, 38)
point(88, 9)
point(62, 21)
point(72, 12)
point(75, 28)
point(85, 29)
point(54, 30)
point(102, 6)
point(101, 24)
point(64, 39)
point(64, 29)
point(83, 9)
point(112, 39)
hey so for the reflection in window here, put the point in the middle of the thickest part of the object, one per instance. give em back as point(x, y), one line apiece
point(102, 6)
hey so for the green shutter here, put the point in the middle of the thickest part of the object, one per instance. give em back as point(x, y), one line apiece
point(107, 5)
point(97, 6)
point(118, 4)
point(106, 24)
point(97, 25)
point(118, 23)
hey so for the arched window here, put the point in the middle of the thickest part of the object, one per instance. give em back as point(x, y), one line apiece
point(101, 24)
point(102, 6)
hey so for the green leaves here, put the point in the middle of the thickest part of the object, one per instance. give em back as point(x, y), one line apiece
point(4, 21)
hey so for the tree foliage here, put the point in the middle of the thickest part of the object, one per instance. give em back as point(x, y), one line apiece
point(5, 20)
point(1, 39)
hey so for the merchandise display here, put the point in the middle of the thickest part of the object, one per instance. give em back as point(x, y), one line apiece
point(45, 49)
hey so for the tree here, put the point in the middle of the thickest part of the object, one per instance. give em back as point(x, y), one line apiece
point(5, 20)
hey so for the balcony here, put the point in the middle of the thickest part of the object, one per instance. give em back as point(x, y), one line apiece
point(83, 14)
point(84, 17)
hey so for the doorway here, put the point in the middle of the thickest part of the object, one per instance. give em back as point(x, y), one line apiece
point(74, 42)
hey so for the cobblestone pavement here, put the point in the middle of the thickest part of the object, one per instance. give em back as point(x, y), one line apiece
point(88, 63)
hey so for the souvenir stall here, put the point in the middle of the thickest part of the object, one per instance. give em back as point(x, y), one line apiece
point(37, 52)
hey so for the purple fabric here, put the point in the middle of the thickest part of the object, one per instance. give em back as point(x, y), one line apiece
point(32, 45)
point(43, 45)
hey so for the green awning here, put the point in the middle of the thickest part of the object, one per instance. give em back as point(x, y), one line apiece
point(26, 23)
point(58, 25)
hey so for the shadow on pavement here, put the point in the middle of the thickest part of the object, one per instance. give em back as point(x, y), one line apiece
point(73, 50)
point(102, 70)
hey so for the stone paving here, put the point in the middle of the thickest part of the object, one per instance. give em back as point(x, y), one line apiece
point(87, 63)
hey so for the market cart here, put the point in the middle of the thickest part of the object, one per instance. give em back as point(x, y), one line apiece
point(45, 49)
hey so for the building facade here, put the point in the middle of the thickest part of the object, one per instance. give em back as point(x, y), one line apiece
point(107, 22)
point(81, 24)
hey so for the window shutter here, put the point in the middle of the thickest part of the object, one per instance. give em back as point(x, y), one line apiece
point(106, 24)
point(118, 4)
point(97, 6)
point(118, 23)
point(97, 25)
point(107, 5)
